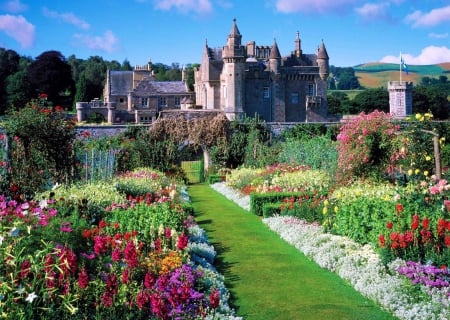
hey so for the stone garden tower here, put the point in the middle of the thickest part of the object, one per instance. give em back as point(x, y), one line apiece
point(232, 77)
point(400, 98)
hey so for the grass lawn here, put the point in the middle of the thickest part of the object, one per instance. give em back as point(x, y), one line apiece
point(268, 278)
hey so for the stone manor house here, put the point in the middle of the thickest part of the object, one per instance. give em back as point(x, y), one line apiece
point(235, 79)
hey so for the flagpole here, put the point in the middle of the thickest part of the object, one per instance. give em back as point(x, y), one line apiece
point(401, 67)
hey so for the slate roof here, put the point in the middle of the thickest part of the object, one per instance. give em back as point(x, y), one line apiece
point(120, 82)
point(147, 87)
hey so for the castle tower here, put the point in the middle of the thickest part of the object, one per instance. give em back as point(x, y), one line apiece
point(400, 98)
point(232, 77)
point(323, 62)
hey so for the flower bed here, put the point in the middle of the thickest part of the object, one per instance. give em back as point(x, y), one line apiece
point(145, 258)
point(409, 290)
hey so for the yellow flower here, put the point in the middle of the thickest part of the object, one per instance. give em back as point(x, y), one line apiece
point(428, 158)
point(417, 171)
point(324, 210)
point(425, 173)
point(418, 116)
point(325, 203)
point(410, 172)
point(428, 116)
point(336, 209)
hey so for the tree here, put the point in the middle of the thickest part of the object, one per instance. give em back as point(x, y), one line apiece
point(9, 64)
point(95, 74)
point(81, 89)
point(51, 74)
point(18, 90)
point(126, 66)
point(41, 140)
point(372, 99)
point(430, 99)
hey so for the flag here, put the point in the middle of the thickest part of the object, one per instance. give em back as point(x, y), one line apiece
point(403, 65)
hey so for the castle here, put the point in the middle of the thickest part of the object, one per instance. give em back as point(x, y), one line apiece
point(236, 80)
point(248, 80)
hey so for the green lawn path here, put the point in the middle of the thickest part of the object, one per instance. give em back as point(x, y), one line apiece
point(268, 278)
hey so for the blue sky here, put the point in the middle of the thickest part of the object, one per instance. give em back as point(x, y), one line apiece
point(175, 31)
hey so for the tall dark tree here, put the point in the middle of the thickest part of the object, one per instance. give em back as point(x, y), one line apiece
point(51, 74)
point(9, 64)
point(81, 89)
point(95, 74)
point(18, 90)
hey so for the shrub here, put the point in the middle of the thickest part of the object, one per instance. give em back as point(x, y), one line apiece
point(369, 146)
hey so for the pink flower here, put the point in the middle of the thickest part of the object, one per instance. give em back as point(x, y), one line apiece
point(83, 279)
point(66, 227)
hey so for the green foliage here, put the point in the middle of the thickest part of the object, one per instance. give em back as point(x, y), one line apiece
point(345, 78)
point(431, 99)
point(41, 151)
point(258, 200)
point(372, 99)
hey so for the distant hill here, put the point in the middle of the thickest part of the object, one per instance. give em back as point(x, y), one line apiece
point(377, 74)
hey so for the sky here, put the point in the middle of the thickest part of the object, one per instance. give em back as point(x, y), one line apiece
point(175, 31)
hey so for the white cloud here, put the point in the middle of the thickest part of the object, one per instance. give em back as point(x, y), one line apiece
point(185, 6)
point(429, 55)
point(374, 11)
point(14, 6)
point(307, 6)
point(68, 17)
point(430, 19)
point(18, 28)
point(438, 35)
point(107, 43)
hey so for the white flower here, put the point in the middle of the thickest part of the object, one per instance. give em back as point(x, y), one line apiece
point(31, 297)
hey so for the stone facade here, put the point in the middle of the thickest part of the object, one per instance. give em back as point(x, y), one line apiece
point(400, 98)
point(135, 96)
point(249, 79)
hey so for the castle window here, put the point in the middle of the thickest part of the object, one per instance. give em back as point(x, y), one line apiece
point(162, 101)
point(144, 102)
point(177, 101)
point(121, 100)
point(266, 93)
point(294, 98)
point(311, 89)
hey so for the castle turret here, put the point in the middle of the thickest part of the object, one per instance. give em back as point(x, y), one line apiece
point(323, 62)
point(275, 58)
point(233, 72)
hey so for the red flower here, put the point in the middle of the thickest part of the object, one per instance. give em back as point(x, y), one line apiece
point(415, 222)
point(214, 298)
point(382, 241)
point(83, 278)
point(116, 255)
point(442, 225)
point(425, 223)
point(447, 241)
point(149, 280)
point(399, 208)
point(142, 299)
point(389, 225)
point(25, 269)
point(130, 255)
point(182, 241)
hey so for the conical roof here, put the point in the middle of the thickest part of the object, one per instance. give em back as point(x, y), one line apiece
point(322, 52)
point(234, 29)
point(274, 52)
